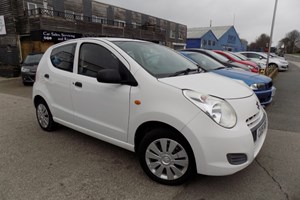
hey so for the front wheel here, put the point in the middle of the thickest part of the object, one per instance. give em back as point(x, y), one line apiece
point(44, 116)
point(166, 157)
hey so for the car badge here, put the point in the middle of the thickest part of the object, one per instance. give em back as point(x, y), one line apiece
point(257, 104)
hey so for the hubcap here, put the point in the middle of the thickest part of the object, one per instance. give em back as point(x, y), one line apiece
point(43, 115)
point(167, 159)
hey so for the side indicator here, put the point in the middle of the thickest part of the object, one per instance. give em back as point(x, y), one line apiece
point(137, 102)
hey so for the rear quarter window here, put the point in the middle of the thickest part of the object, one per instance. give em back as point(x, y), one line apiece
point(63, 57)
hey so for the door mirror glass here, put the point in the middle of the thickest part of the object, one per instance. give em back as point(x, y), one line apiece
point(109, 76)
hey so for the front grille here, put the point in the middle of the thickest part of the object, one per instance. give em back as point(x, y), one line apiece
point(237, 158)
point(254, 120)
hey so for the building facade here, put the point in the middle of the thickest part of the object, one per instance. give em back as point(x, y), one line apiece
point(34, 25)
point(224, 38)
point(202, 39)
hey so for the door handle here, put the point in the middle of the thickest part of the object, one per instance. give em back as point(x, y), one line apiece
point(46, 75)
point(78, 84)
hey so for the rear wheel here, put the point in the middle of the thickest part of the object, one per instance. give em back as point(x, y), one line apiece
point(166, 157)
point(44, 116)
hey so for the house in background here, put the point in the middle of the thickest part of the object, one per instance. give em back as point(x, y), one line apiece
point(201, 38)
point(225, 38)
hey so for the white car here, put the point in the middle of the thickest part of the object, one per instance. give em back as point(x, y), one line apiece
point(262, 64)
point(148, 99)
point(280, 64)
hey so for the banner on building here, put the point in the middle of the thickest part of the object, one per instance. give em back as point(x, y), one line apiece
point(2, 25)
point(53, 36)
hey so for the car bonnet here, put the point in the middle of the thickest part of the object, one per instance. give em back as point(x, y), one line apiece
point(248, 77)
point(210, 83)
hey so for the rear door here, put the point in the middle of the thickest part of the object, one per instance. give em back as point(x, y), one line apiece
point(101, 108)
point(58, 78)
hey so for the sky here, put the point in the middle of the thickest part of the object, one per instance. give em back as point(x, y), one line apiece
point(250, 18)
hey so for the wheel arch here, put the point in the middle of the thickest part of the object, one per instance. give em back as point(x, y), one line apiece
point(38, 99)
point(142, 130)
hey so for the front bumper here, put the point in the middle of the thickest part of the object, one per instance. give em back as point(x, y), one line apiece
point(283, 67)
point(28, 77)
point(214, 145)
point(265, 96)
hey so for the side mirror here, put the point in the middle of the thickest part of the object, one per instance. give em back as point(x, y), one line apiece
point(260, 57)
point(109, 76)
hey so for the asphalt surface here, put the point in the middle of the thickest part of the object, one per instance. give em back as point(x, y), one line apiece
point(66, 164)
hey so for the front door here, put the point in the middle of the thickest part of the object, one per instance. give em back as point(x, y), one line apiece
point(101, 108)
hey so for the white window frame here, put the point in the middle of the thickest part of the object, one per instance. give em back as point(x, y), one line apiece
point(29, 9)
point(180, 37)
point(31, 4)
point(172, 34)
point(119, 23)
point(100, 20)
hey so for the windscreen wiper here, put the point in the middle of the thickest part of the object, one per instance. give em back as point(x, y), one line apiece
point(185, 71)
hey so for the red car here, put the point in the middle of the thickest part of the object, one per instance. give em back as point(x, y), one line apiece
point(253, 66)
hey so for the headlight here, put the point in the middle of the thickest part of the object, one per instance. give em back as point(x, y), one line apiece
point(257, 86)
point(217, 109)
point(23, 69)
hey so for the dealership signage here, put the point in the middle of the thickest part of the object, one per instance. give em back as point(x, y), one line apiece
point(53, 36)
point(2, 25)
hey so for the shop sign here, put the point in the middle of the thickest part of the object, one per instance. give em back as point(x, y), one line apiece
point(2, 25)
point(58, 36)
point(53, 36)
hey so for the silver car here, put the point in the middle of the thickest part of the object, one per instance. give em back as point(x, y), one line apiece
point(281, 65)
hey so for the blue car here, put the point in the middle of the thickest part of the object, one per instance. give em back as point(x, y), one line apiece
point(260, 84)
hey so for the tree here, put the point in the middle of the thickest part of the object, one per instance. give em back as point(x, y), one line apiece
point(291, 41)
point(261, 43)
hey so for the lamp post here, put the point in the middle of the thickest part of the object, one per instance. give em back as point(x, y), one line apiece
point(271, 35)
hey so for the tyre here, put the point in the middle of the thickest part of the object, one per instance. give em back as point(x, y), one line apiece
point(166, 157)
point(44, 116)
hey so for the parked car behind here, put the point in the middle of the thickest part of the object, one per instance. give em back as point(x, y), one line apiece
point(252, 66)
point(225, 61)
point(261, 63)
point(273, 55)
point(29, 66)
point(277, 63)
point(260, 84)
point(147, 98)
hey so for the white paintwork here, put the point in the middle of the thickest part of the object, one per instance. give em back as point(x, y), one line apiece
point(282, 64)
point(108, 111)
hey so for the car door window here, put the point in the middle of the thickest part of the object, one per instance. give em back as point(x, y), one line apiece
point(93, 58)
point(253, 55)
point(63, 57)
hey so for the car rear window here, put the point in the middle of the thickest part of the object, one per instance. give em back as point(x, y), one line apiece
point(63, 57)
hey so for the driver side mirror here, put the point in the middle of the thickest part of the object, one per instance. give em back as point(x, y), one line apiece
point(109, 76)
point(113, 76)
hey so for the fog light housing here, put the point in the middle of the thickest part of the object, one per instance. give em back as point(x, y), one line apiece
point(237, 158)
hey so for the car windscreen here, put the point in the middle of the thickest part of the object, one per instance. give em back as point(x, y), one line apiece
point(234, 56)
point(218, 56)
point(241, 56)
point(33, 59)
point(204, 61)
point(158, 60)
